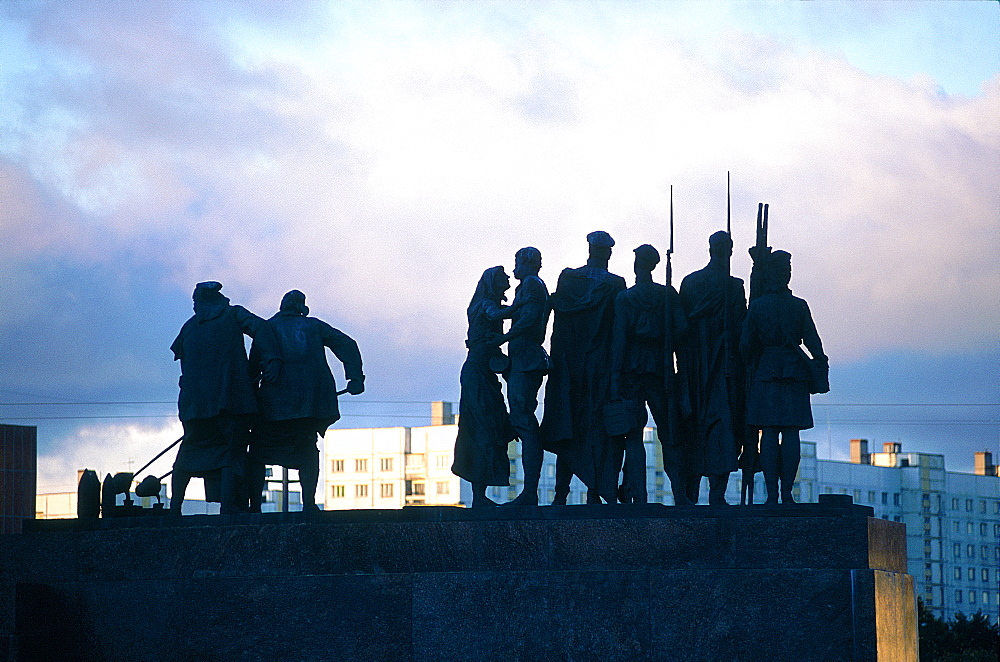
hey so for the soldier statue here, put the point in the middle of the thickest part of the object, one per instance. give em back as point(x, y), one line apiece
point(709, 361)
point(579, 384)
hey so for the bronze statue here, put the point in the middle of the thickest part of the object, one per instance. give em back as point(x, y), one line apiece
point(484, 427)
point(217, 397)
point(777, 324)
point(301, 402)
point(529, 314)
point(639, 364)
point(709, 360)
point(579, 385)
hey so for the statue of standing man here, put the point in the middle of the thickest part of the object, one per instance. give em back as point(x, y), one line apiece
point(217, 398)
point(529, 314)
point(580, 382)
point(301, 403)
point(715, 305)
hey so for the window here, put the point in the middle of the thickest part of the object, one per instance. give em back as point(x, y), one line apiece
point(968, 505)
point(972, 597)
point(414, 488)
point(956, 526)
point(885, 498)
point(982, 529)
point(871, 496)
point(386, 490)
point(985, 552)
point(337, 491)
point(443, 487)
point(958, 596)
point(986, 574)
point(982, 507)
point(954, 504)
point(957, 551)
point(971, 551)
point(895, 499)
point(958, 573)
point(897, 518)
point(972, 574)
point(968, 528)
point(442, 461)
point(336, 466)
point(857, 496)
point(361, 466)
point(361, 490)
point(386, 464)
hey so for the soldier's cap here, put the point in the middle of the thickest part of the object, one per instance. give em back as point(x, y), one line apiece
point(781, 257)
point(648, 254)
point(601, 239)
point(209, 289)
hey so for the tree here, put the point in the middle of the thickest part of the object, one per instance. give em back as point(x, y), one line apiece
point(965, 639)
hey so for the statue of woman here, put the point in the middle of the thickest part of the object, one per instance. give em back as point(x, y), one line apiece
point(484, 427)
point(777, 324)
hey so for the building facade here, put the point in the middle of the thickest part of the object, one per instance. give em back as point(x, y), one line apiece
point(18, 463)
point(952, 519)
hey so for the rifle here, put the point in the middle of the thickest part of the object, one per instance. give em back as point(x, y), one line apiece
point(759, 252)
point(668, 310)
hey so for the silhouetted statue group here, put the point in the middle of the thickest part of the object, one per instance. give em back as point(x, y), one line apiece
point(728, 386)
point(241, 413)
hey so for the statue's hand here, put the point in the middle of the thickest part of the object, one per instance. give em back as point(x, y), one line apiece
point(355, 386)
point(271, 371)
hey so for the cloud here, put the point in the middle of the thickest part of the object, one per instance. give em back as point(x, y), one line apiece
point(106, 449)
point(379, 157)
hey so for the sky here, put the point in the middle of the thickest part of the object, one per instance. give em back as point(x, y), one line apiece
point(379, 156)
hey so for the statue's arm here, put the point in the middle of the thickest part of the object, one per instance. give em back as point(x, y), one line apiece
point(264, 340)
point(346, 350)
point(532, 306)
point(810, 337)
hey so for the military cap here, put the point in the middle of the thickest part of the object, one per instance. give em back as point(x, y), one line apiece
point(600, 238)
point(648, 254)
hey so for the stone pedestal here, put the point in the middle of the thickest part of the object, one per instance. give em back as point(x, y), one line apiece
point(649, 582)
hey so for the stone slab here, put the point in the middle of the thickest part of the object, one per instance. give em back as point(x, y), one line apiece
point(575, 583)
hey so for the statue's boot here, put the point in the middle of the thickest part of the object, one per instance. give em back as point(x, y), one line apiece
point(593, 496)
point(525, 498)
point(717, 490)
point(786, 484)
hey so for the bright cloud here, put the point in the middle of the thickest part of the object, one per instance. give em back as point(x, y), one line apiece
point(379, 156)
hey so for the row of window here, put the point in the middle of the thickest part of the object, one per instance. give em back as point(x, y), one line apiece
point(972, 595)
point(442, 461)
point(386, 490)
point(984, 574)
point(970, 551)
point(956, 504)
point(970, 528)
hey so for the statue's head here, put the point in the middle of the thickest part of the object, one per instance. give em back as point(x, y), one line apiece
point(720, 244)
point(646, 259)
point(780, 266)
point(527, 262)
point(294, 302)
point(600, 243)
point(208, 292)
point(209, 302)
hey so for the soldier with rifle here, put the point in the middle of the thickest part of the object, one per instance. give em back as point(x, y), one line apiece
point(715, 305)
point(759, 253)
point(648, 318)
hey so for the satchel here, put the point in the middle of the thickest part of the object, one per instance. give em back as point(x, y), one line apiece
point(819, 373)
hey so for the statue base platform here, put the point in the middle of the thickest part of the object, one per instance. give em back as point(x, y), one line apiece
point(613, 582)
